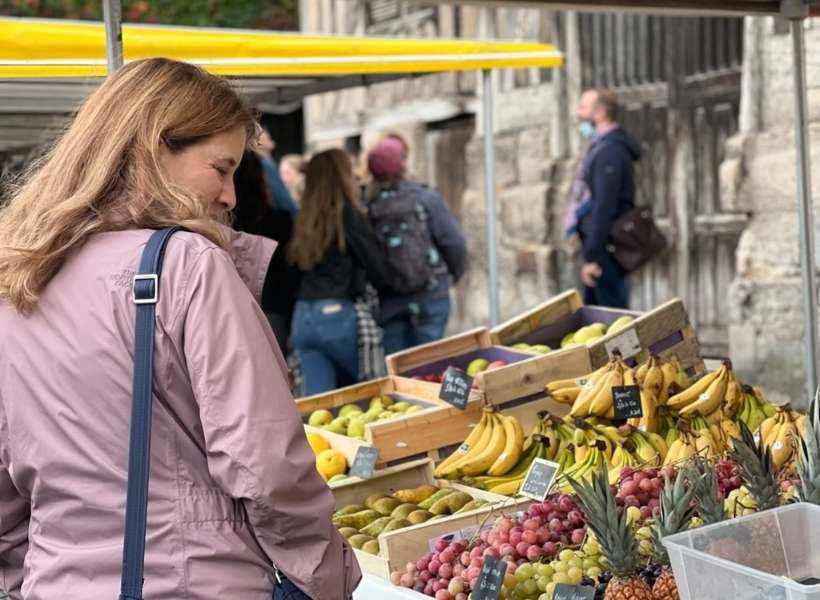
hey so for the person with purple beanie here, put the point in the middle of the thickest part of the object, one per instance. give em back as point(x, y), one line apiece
point(423, 245)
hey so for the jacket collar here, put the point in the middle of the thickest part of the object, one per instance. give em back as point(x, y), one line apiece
point(252, 255)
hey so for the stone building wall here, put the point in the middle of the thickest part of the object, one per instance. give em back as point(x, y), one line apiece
point(767, 326)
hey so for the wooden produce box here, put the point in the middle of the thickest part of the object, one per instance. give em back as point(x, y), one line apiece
point(398, 547)
point(665, 331)
point(526, 375)
point(416, 434)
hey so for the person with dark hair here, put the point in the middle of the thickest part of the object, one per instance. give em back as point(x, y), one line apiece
point(605, 191)
point(423, 245)
point(253, 214)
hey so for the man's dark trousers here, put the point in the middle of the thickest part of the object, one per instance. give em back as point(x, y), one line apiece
point(611, 289)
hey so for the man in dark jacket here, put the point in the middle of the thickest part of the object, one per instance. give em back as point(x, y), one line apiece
point(609, 178)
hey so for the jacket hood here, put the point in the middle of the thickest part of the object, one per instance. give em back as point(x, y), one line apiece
point(620, 136)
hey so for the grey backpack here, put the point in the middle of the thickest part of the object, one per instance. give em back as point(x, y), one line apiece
point(402, 226)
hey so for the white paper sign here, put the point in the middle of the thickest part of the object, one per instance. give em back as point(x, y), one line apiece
point(626, 343)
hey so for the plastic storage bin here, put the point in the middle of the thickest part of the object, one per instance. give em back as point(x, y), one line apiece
point(772, 555)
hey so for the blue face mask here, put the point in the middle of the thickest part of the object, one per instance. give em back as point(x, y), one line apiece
point(586, 129)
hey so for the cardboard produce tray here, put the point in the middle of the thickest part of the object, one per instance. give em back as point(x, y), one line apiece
point(665, 331)
point(398, 547)
point(526, 375)
point(401, 438)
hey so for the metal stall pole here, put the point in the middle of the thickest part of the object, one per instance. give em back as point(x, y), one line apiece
point(112, 13)
point(489, 191)
point(797, 11)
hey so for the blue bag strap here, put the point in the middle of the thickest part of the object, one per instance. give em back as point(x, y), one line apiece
point(145, 297)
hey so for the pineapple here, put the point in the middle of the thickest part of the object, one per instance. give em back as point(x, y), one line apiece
point(808, 466)
point(711, 504)
point(758, 469)
point(614, 535)
point(676, 513)
point(760, 480)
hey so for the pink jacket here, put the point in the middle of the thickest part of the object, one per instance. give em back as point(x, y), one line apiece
point(233, 484)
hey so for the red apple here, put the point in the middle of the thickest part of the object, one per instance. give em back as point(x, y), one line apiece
point(496, 364)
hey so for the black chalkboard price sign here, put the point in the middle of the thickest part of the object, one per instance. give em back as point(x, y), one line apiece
point(565, 591)
point(364, 463)
point(455, 387)
point(538, 482)
point(490, 579)
point(626, 401)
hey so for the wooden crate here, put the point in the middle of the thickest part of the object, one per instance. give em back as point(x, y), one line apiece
point(665, 331)
point(417, 434)
point(410, 543)
point(525, 376)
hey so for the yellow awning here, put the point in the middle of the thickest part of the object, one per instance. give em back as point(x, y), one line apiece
point(38, 48)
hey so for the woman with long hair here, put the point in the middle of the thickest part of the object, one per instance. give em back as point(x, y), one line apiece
point(338, 255)
point(233, 485)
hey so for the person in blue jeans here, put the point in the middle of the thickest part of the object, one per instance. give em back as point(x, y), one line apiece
point(419, 317)
point(337, 254)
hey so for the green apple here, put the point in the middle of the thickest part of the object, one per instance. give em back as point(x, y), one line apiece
point(619, 324)
point(599, 327)
point(348, 410)
point(476, 366)
point(586, 333)
point(320, 418)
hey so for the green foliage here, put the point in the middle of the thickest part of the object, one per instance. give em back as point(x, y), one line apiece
point(250, 14)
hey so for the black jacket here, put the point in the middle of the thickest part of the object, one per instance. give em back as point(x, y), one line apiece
point(609, 176)
point(282, 279)
point(345, 275)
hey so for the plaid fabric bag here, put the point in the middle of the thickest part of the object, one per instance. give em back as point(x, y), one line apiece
point(371, 347)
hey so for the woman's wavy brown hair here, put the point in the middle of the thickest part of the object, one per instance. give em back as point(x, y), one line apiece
point(104, 173)
point(329, 187)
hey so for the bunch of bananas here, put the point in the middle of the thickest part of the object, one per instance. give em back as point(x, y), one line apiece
point(592, 395)
point(782, 432)
point(493, 448)
point(753, 409)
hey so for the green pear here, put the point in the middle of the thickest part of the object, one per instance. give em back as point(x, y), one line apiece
point(541, 348)
point(376, 401)
point(337, 425)
point(348, 410)
point(368, 417)
point(521, 346)
point(414, 409)
point(387, 400)
point(320, 418)
point(400, 406)
point(355, 428)
point(338, 477)
point(619, 324)
point(386, 415)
